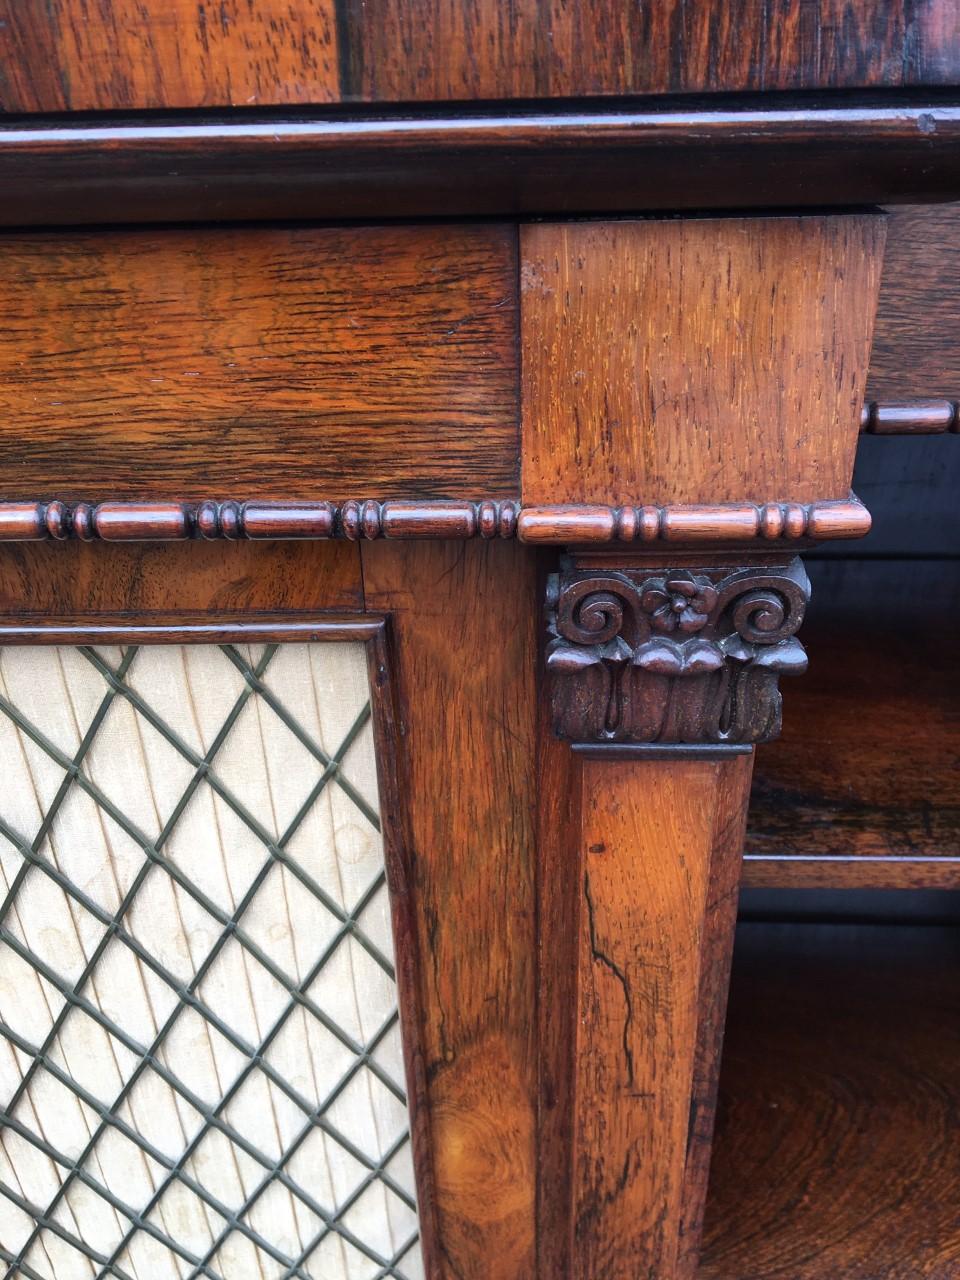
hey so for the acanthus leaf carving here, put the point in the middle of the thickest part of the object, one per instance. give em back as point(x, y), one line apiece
point(674, 656)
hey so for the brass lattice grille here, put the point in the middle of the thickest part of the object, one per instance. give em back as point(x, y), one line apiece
point(200, 1069)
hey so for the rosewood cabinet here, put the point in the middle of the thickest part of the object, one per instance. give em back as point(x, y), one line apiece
point(420, 427)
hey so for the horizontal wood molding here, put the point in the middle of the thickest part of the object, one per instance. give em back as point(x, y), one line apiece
point(910, 417)
point(858, 872)
point(114, 629)
point(660, 751)
point(625, 159)
point(369, 519)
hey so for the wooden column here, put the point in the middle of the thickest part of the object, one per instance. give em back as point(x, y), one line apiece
point(661, 842)
point(699, 361)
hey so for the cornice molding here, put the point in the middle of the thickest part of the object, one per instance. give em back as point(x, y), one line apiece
point(737, 151)
point(768, 522)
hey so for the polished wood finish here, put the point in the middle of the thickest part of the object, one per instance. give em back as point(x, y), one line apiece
point(563, 915)
point(836, 1151)
point(281, 362)
point(660, 751)
point(181, 54)
point(866, 766)
point(779, 312)
point(463, 622)
point(660, 851)
point(916, 348)
point(399, 864)
point(453, 50)
point(78, 579)
point(683, 361)
point(62, 56)
point(855, 871)
point(185, 628)
point(688, 155)
point(698, 524)
point(910, 417)
point(369, 519)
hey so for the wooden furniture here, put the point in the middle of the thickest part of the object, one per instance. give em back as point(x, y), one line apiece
point(528, 346)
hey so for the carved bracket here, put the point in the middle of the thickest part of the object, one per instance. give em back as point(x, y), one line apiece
point(673, 655)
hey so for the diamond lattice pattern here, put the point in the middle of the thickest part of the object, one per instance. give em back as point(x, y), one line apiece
point(200, 1064)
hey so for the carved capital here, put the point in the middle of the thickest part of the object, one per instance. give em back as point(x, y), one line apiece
point(673, 655)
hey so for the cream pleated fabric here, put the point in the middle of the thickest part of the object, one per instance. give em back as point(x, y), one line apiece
point(200, 1063)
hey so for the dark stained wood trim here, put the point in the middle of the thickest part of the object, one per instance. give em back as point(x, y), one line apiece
point(660, 750)
point(666, 656)
point(802, 150)
point(764, 871)
point(910, 417)
point(105, 628)
point(370, 519)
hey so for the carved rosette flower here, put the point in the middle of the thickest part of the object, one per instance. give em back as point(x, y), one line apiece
point(681, 602)
point(676, 657)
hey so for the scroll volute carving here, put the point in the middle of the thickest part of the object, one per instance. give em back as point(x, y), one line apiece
point(673, 655)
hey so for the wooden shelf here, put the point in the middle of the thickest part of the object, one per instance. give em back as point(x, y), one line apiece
point(836, 1154)
point(863, 788)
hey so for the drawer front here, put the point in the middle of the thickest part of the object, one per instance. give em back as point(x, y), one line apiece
point(316, 363)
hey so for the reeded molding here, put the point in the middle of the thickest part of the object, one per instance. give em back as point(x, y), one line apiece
point(545, 525)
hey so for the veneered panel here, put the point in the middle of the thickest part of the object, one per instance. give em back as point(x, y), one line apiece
point(137, 580)
point(61, 55)
point(130, 54)
point(916, 345)
point(836, 1153)
point(727, 358)
point(454, 49)
point(272, 363)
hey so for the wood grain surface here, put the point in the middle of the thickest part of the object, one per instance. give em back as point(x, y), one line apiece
point(304, 362)
point(776, 523)
point(462, 49)
point(559, 898)
point(866, 764)
point(127, 54)
point(727, 357)
point(661, 847)
point(916, 346)
point(465, 652)
point(143, 580)
point(549, 160)
point(836, 1151)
